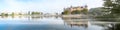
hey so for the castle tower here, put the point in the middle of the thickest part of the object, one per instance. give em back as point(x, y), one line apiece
point(86, 6)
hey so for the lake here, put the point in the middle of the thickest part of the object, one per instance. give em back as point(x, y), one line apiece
point(55, 23)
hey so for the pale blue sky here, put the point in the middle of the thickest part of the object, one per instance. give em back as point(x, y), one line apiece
point(47, 6)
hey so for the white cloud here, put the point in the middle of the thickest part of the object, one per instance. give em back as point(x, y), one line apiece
point(48, 5)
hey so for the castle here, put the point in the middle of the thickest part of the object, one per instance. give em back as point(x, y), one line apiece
point(76, 8)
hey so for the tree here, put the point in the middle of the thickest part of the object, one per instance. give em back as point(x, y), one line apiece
point(113, 6)
point(35, 13)
point(65, 12)
point(6, 14)
point(13, 14)
point(76, 12)
point(2, 14)
point(84, 11)
point(98, 11)
point(108, 3)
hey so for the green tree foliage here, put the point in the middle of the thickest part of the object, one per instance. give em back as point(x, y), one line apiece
point(13, 14)
point(84, 11)
point(66, 12)
point(76, 12)
point(35, 13)
point(113, 6)
point(108, 3)
point(98, 11)
point(4, 14)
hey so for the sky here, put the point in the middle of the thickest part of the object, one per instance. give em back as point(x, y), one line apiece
point(45, 6)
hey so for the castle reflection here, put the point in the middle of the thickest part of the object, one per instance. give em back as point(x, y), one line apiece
point(76, 22)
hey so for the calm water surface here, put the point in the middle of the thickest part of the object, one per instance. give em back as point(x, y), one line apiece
point(55, 23)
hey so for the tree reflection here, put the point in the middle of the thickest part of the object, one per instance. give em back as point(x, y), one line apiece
point(110, 18)
point(114, 27)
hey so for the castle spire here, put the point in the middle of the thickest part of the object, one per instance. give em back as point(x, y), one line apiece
point(86, 6)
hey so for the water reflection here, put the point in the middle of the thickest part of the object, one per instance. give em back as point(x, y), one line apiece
point(114, 27)
point(76, 22)
point(54, 23)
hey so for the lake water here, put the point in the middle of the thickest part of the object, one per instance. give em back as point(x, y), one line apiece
point(55, 23)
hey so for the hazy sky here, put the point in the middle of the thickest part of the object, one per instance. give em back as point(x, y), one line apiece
point(47, 6)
